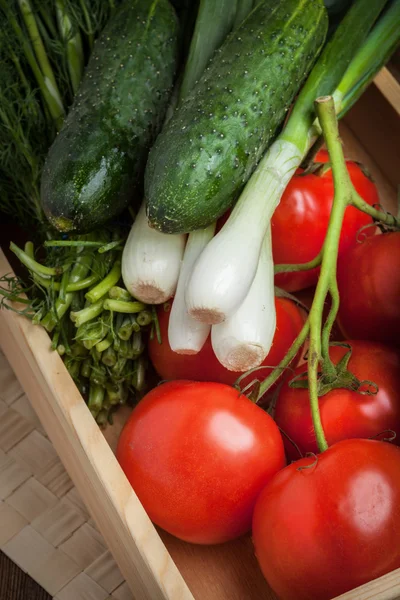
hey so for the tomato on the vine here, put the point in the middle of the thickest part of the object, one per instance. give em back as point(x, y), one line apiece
point(369, 287)
point(327, 524)
point(344, 413)
point(300, 222)
point(205, 366)
point(198, 455)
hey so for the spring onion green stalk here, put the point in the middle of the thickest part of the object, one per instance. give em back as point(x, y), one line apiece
point(123, 307)
point(243, 9)
point(225, 270)
point(243, 341)
point(109, 357)
point(79, 271)
point(96, 398)
point(33, 265)
point(126, 329)
point(104, 344)
point(185, 334)
point(104, 286)
point(213, 23)
point(86, 368)
point(367, 62)
point(151, 261)
point(118, 293)
point(144, 318)
point(137, 344)
point(87, 314)
point(63, 286)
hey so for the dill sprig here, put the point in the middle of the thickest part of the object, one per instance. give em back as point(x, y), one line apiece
point(44, 46)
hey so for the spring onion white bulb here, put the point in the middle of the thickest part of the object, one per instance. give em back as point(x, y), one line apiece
point(185, 334)
point(151, 261)
point(243, 341)
point(225, 270)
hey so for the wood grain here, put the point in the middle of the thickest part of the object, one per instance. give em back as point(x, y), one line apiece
point(389, 87)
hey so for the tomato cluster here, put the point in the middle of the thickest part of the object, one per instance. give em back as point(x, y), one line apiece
point(208, 464)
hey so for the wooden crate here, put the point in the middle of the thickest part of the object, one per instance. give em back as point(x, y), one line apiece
point(155, 565)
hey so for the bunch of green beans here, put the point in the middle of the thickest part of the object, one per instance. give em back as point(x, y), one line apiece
point(94, 323)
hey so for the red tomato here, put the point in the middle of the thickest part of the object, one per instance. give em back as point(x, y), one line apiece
point(369, 286)
point(205, 366)
point(325, 525)
point(300, 222)
point(345, 414)
point(197, 456)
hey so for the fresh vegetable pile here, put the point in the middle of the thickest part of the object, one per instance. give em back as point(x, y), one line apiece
point(184, 200)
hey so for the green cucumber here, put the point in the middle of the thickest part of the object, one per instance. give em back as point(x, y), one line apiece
point(213, 142)
point(96, 163)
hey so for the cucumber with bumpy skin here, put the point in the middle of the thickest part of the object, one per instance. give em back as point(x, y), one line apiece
point(213, 142)
point(97, 160)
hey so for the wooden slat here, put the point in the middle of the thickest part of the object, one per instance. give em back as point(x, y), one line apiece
point(129, 533)
point(389, 87)
point(383, 588)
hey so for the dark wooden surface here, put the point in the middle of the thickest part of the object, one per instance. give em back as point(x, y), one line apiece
point(16, 585)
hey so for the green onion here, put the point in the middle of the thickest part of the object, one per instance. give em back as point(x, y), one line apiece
point(86, 314)
point(86, 368)
point(96, 397)
point(123, 307)
point(250, 217)
point(104, 344)
point(109, 357)
point(144, 318)
point(102, 288)
point(118, 293)
point(127, 327)
point(214, 21)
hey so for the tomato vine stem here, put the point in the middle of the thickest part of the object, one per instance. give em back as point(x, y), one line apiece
point(317, 332)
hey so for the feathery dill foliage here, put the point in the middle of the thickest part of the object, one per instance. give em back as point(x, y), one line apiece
point(44, 46)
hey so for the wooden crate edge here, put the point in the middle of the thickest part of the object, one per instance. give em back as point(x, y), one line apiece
point(131, 537)
point(389, 87)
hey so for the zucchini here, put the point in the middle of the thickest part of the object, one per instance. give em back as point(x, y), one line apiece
point(96, 163)
point(213, 142)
